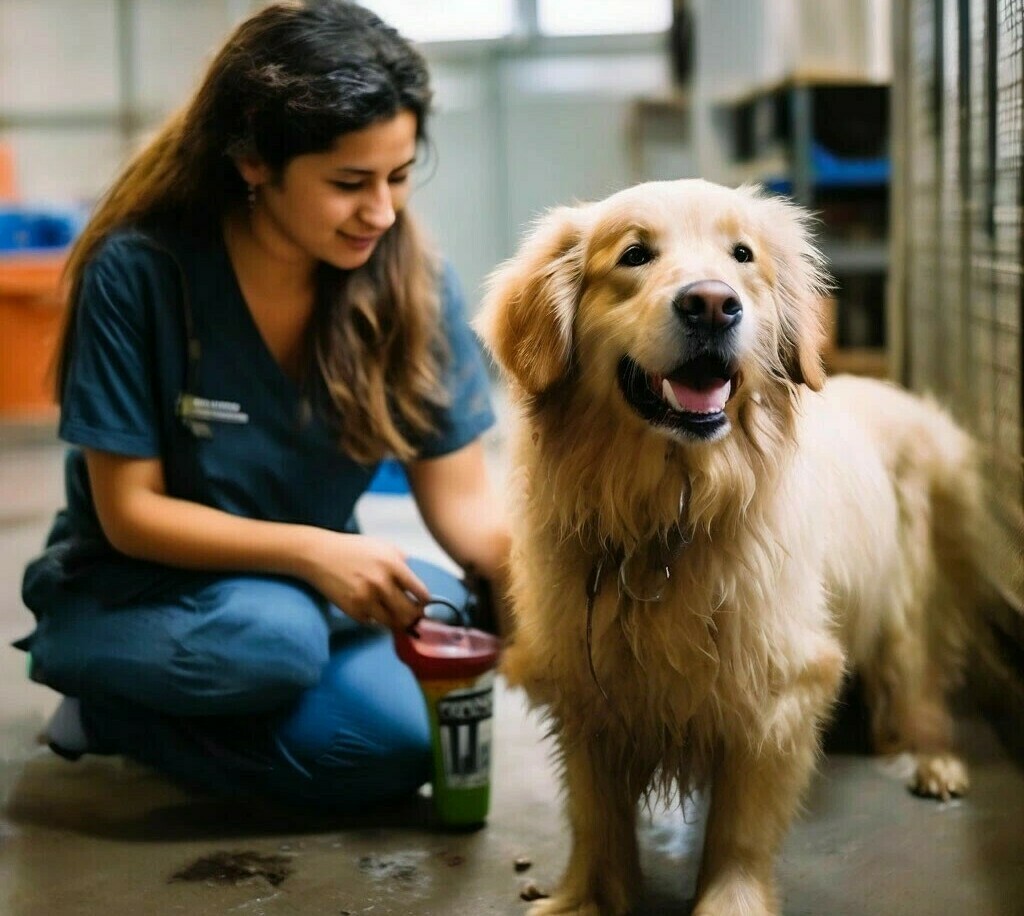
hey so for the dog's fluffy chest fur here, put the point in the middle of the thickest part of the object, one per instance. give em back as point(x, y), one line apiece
point(707, 651)
point(739, 621)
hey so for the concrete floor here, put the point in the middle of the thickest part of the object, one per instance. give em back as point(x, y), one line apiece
point(104, 837)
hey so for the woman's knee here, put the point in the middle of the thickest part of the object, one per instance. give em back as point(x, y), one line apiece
point(367, 714)
point(354, 770)
point(347, 738)
point(264, 643)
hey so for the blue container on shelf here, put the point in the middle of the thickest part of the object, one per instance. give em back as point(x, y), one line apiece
point(24, 229)
point(390, 478)
point(56, 230)
point(831, 171)
point(15, 230)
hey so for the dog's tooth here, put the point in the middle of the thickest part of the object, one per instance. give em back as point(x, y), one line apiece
point(669, 395)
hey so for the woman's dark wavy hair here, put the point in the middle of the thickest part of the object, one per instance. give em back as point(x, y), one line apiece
point(290, 81)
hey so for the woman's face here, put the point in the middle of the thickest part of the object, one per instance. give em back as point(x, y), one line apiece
point(334, 206)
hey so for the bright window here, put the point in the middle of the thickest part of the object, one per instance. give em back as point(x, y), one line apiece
point(602, 17)
point(452, 20)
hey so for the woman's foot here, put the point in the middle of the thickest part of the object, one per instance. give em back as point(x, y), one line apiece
point(64, 733)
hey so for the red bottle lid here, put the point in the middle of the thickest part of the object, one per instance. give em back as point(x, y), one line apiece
point(438, 651)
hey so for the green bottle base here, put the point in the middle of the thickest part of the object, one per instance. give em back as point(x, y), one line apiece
point(460, 733)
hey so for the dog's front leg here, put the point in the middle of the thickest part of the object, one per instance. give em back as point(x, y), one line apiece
point(603, 786)
point(756, 787)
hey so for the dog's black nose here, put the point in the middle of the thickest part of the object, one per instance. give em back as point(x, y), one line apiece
point(709, 304)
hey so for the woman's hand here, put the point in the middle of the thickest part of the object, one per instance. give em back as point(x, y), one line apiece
point(366, 577)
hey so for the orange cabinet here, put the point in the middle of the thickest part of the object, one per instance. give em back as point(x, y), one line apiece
point(31, 313)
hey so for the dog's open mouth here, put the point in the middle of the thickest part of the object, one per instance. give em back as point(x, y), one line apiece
point(690, 399)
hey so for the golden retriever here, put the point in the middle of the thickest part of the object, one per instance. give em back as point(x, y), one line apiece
point(708, 535)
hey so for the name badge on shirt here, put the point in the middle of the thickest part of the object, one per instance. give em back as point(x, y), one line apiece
point(197, 413)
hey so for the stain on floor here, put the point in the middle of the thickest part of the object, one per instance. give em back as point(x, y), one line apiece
point(236, 867)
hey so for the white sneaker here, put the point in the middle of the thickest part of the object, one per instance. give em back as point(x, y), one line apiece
point(64, 733)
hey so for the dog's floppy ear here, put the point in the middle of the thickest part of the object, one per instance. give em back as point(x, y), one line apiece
point(528, 310)
point(802, 285)
point(802, 353)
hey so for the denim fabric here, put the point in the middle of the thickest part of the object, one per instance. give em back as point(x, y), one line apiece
point(246, 686)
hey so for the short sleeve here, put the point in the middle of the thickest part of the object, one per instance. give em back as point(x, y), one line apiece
point(468, 412)
point(109, 401)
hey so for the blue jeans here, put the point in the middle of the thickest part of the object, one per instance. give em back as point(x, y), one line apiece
point(246, 685)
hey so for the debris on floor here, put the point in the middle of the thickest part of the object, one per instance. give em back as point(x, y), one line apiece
point(393, 868)
point(530, 890)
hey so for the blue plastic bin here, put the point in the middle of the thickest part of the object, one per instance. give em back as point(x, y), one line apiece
point(24, 229)
point(831, 171)
point(16, 229)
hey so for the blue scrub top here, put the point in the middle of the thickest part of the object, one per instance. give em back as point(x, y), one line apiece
point(125, 377)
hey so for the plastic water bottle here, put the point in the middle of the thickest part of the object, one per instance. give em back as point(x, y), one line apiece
point(455, 669)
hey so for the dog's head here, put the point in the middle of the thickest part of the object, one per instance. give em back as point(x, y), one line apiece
point(677, 301)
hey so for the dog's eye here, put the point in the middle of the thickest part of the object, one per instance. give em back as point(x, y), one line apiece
point(636, 256)
point(742, 253)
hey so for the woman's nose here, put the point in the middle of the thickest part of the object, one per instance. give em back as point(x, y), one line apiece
point(378, 209)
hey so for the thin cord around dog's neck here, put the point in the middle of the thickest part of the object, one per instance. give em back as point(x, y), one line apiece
point(682, 539)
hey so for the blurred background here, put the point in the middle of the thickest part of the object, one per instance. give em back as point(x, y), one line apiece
point(900, 123)
point(539, 102)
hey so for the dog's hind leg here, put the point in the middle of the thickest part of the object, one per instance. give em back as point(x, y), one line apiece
point(907, 695)
point(916, 657)
point(604, 780)
point(756, 787)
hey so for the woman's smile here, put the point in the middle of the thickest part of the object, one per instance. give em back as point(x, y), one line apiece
point(359, 242)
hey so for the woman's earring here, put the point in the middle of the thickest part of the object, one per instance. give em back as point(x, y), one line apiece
point(252, 199)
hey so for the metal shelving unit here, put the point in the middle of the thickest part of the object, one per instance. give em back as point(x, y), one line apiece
point(786, 137)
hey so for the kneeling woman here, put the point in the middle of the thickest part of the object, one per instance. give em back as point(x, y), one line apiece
point(255, 323)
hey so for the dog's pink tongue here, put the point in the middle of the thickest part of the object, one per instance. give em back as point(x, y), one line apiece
point(702, 400)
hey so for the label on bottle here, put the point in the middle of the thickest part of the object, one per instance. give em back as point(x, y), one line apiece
point(464, 724)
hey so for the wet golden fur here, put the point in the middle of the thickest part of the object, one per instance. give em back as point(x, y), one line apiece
point(822, 524)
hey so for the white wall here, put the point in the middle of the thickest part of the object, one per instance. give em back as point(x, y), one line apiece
point(61, 90)
point(519, 133)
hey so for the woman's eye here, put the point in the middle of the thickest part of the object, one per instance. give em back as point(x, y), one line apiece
point(742, 253)
point(636, 256)
point(399, 179)
point(347, 185)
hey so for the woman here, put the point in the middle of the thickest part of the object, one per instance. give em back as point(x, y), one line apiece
point(255, 324)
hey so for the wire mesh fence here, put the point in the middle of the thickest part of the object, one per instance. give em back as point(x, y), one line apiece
point(962, 230)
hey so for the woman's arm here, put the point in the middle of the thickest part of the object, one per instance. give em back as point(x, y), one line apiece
point(464, 515)
point(366, 577)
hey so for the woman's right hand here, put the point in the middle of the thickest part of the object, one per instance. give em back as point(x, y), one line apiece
point(365, 577)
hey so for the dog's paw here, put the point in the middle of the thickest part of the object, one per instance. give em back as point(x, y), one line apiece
point(565, 905)
point(941, 776)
